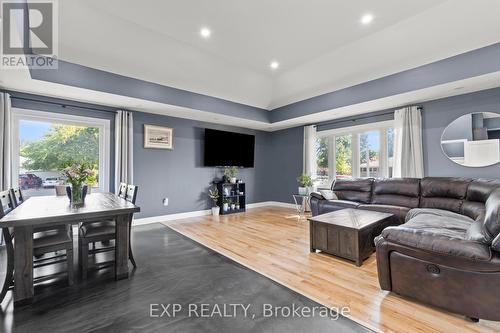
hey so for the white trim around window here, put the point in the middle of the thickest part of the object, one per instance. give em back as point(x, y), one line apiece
point(59, 118)
point(355, 131)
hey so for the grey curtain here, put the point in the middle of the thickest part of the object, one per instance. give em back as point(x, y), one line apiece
point(408, 152)
point(124, 148)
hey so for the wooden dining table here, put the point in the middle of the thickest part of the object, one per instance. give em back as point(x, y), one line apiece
point(52, 210)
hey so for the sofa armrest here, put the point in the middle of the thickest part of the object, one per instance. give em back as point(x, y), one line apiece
point(317, 195)
point(437, 243)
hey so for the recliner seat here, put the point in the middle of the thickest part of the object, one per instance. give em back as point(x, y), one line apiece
point(443, 247)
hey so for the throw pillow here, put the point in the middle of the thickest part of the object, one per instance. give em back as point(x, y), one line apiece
point(328, 194)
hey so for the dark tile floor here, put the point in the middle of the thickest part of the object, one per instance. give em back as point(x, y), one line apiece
point(172, 270)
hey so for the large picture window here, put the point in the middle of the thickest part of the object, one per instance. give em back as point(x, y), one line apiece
point(353, 152)
point(48, 142)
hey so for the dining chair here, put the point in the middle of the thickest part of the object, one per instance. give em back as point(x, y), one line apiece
point(48, 239)
point(103, 231)
point(6, 206)
point(122, 190)
point(17, 196)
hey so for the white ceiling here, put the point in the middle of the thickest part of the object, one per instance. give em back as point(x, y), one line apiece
point(320, 44)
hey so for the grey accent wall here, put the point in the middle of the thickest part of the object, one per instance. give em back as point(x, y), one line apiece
point(437, 115)
point(179, 174)
point(285, 157)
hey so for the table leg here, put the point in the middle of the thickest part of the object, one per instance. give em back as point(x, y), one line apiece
point(121, 247)
point(23, 265)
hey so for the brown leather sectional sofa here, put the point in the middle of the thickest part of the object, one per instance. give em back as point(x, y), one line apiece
point(443, 247)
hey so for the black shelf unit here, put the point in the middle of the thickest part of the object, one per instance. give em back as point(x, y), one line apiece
point(232, 193)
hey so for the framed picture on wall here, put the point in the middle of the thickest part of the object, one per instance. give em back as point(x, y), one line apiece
point(158, 137)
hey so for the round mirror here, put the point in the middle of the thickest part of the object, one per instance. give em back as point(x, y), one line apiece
point(473, 140)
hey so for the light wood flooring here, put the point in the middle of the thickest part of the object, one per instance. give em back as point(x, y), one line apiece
point(275, 243)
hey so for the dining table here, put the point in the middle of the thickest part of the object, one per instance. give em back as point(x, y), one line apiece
point(57, 210)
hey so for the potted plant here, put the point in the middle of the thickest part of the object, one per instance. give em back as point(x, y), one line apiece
point(225, 204)
point(237, 206)
point(233, 205)
point(230, 173)
point(213, 193)
point(305, 183)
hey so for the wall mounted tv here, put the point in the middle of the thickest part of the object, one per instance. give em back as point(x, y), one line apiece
point(228, 149)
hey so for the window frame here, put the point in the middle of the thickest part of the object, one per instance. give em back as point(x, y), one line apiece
point(104, 125)
point(355, 131)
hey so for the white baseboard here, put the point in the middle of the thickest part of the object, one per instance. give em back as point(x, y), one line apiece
point(197, 213)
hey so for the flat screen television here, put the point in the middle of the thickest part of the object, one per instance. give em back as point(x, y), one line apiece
point(228, 149)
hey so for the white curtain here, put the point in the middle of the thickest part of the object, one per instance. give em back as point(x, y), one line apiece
point(309, 160)
point(5, 142)
point(408, 153)
point(124, 148)
point(5, 146)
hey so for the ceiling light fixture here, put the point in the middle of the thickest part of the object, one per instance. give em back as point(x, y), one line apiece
point(205, 32)
point(367, 19)
point(274, 65)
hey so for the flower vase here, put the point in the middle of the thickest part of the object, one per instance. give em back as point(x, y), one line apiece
point(76, 194)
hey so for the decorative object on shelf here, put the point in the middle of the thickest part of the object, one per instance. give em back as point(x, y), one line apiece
point(305, 184)
point(225, 204)
point(230, 173)
point(213, 193)
point(232, 197)
point(77, 175)
point(473, 140)
point(158, 137)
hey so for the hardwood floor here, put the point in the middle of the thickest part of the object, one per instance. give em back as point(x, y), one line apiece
point(275, 243)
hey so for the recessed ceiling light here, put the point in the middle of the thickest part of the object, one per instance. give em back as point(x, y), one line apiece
point(274, 65)
point(205, 32)
point(367, 19)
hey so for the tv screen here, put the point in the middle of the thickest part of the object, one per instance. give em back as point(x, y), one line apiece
point(228, 149)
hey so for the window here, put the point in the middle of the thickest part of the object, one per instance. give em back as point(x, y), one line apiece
point(359, 151)
point(48, 142)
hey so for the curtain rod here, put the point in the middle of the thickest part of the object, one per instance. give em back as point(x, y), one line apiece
point(63, 105)
point(339, 121)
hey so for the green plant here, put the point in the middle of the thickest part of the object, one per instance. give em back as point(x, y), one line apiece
point(305, 180)
point(227, 201)
point(230, 172)
point(213, 193)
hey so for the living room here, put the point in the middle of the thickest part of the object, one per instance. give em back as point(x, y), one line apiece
point(252, 166)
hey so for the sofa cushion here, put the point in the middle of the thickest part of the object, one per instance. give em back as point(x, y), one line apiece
point(359, 190)
point(432, 212)
point(478, 192)
point(439, 234)
point(443, 192)
point(398, 211)
point(396, 191)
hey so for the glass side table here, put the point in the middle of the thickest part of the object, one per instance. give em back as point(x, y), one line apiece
point(301, 203)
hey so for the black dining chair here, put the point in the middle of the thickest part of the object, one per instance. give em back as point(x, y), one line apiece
point(104, 232)
point(122, 190)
